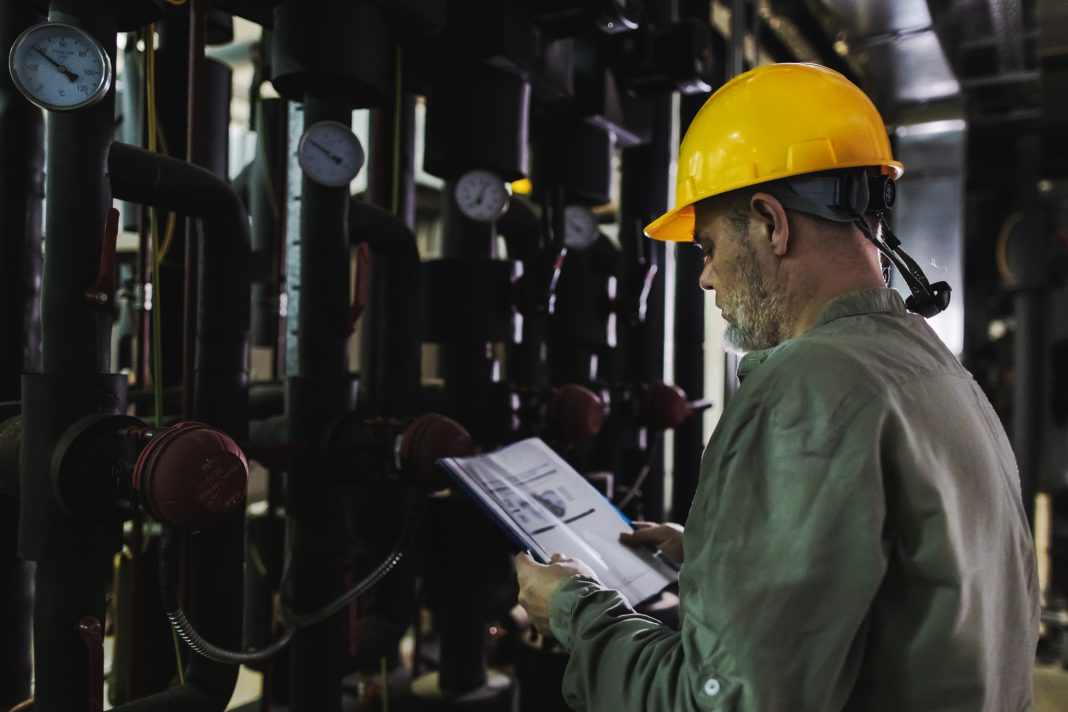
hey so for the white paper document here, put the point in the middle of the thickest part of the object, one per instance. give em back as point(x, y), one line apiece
point(546, 506)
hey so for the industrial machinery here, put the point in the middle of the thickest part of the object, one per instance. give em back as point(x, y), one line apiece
point(266, 261)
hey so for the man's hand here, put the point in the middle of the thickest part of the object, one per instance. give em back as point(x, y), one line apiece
point(537, 582)
point(665, 537)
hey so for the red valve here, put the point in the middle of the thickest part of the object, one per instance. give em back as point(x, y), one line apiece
point(667, 406)
point(191, 476)
point(430, 437)
point(577, 413)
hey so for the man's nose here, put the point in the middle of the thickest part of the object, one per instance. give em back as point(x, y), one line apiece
point(705, 280)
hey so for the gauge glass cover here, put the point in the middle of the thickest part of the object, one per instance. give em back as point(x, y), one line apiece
point(330, 154)
point(60, 67)
point(481, 195)
point(580, 227)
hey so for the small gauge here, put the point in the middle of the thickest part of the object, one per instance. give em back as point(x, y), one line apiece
point(60, 67)
point(481, 195)
point(580, 227)
point(329, 153)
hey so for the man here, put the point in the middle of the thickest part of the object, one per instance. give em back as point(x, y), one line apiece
point(857, 540)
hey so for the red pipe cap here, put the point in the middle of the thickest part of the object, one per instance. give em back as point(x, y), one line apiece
point(192, 476)
point(576, 413)
point(668, 406)
point(428, 438)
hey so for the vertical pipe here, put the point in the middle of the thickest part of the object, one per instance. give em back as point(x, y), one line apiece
point(738, 30)
point(194, 154)
point(21, 169)
point(1027, 395)
point(266, 201)
point(391, 335)
point(689, 352)
point(72, 558)
point(317, 389)
point(643, 197)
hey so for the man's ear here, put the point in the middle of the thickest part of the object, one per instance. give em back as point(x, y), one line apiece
point(773, 214)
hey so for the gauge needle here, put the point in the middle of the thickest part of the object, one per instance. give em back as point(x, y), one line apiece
point(63, 70)
point(481, 192)
point(332, 156)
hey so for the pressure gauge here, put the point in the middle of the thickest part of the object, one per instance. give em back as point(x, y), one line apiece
point(60, 67)
point(329, 153)
point(481, 195)
point(580, 227)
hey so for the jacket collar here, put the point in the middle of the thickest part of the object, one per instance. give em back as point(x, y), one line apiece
point(867, 301)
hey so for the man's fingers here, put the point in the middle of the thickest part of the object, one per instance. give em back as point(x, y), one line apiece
point(647, 535)
point(642, 525)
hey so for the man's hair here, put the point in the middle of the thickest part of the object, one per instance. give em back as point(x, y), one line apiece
point(735, 206)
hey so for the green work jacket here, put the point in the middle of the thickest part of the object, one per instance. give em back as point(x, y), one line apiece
point(857, 542)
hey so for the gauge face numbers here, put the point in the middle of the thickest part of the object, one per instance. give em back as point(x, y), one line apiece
point(329, 153)
point(481, 195)
point(580, 227)
point(60, 67)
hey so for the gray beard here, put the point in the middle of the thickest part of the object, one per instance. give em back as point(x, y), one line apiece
point(758, 316)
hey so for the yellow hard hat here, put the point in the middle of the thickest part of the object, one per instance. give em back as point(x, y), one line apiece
point(772, 122)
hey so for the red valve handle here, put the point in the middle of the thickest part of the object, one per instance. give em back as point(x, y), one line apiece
point(89, 631)
point(102, 290)
point(360, 290)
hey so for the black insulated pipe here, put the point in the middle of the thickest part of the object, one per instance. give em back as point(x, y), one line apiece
point(392, 345)
point(643, 197)
point(690, 357)
point(21, 192)
point(266, 203)
point(72, 557)
point(220, 396)
point(318, 390)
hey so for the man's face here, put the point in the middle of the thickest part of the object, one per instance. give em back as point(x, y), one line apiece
point(752, 305)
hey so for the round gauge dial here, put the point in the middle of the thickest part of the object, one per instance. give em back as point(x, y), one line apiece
point(60, 67)
point(329, 153)
point(481, 195)
point(580, 227)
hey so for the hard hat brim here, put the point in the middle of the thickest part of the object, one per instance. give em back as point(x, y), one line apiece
point(673, 226)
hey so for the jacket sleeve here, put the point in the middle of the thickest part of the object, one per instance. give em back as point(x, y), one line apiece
point(784, 554)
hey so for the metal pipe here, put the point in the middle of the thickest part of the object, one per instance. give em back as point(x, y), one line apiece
point(72, 557)
point(689, 353)
point(1029, 308)
point(194, 128)
point(21, 192)
point(318, 389)
point(266, 200)
point(644, 196)
point(219, 393)
point(392, 335)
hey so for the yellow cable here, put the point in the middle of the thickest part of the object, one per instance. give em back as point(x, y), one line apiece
point(157, 351)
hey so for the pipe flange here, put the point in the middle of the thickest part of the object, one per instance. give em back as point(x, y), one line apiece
point(91, 468)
